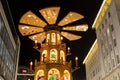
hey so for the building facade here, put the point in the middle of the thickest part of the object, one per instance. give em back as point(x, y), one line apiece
point(93, 63)
point(107, 27)
point(9, 44)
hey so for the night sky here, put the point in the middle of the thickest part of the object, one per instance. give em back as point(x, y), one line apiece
point(80, 48)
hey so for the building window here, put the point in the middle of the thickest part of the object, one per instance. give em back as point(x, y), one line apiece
point(102, 26)
point(118, 59)
point(93, 73)
point(114, 42)
point(1, 22)
point(108, 32)
point(118, 75)
point(111, 27)
point(105, 21)
point(109, 14)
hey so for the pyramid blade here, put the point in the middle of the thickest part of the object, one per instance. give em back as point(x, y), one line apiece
point(28, 30)
point(70, 36)
point(76, 28)
point(38, 37)
point(71, 17)
point(50, 14)
point(31, 19)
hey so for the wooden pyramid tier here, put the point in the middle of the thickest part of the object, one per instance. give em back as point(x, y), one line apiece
point(53, 65)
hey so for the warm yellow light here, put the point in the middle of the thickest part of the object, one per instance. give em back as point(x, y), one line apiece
point(76, 58)
point(68, 48)
point(50, 14)
point(76, 28)
point(69, 18)
point(25, 27)
point(61, 38)
point(70, 36)
point(39, 37)
point(31, 63)
point(35, 41)
point(31, 19)
point(34, 37)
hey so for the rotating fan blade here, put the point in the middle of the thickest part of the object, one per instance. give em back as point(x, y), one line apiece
point(28, 30)
point(50, 14)
point(70, 36)
point(76, 28)
point(39, 37)
point(71, 17)
point(31, 19)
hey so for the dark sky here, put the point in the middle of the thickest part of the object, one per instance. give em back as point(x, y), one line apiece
point(80, 48)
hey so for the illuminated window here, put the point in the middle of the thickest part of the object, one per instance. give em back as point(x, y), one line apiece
point(48, 38)
point(53, 74)
point(66, 75)
point(53, 55)
point(40, 75)
point(58, 38)
point(53, 38)
point(44, 55)
point(62, 55)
